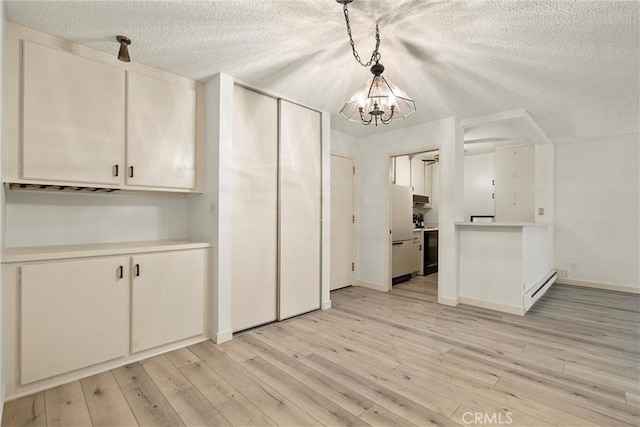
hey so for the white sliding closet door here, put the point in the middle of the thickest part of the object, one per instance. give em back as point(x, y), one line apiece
point(255, 203)
point(300, 208)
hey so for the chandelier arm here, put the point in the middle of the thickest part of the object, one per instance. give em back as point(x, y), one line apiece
point(388, 119)
point(364, 122)
point(375, 56)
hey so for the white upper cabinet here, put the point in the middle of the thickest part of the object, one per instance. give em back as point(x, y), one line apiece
point(73, 116)
point(402, 173)
point(428, 181)
point(80, 118)
point(161, 133)
point(515, 184)
point(417, 176)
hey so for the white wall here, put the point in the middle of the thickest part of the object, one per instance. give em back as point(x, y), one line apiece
point(343, 143)
point(210, 213)
point(597, 210)
point(42, 218)
point(479, 173)
point(372, 189)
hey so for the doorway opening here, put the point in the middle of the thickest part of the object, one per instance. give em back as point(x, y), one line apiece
point(415, 220)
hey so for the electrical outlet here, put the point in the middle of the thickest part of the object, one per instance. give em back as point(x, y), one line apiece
point(540, 211)
point(563, 273)
point(573, 266)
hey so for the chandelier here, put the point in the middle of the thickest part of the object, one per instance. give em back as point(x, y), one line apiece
point(377, 100)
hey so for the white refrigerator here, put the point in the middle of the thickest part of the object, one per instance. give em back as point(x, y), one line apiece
point(401, 232)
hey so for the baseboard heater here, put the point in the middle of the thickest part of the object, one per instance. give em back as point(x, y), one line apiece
point(539, 289)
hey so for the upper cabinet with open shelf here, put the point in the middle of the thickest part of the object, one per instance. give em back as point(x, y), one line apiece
point(77, 117)
point(508, 168)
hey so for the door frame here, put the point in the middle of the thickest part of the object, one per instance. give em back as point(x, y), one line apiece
point(354, 236)
point(389, 219)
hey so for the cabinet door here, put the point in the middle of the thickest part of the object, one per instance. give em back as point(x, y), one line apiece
point(72, 314)
point(402, 170)
point(254, 224)
point(402, 258)
point(417, 251)
point(428, 182)
point(417, 176)
point(515, 184)
point(161, 133)
point(167, 297)
point(300, 209)
point(73, 118)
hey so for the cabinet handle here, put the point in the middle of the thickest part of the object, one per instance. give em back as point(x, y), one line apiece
point(120, 272)
point(419, 247)
point(130, 171)
point(397, 243)
point(115, 170)
point(137, 270)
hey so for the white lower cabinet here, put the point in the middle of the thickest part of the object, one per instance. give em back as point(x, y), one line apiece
point(72, 314)
point(417, 251)
point(402, 258)
point(70, 311)
point(167, 298)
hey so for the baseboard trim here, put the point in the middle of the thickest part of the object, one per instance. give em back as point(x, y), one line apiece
point(326, 305)
point(220, 337)
point(452, 302)
point(596, 285)
point(374, 286)
point(17, 391)
point(504, 308)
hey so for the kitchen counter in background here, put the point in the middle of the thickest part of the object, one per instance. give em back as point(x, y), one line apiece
point(505, 266)
point(47, 253)
point(503, 224)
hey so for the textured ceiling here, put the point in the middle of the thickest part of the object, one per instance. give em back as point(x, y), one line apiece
point(574, 65)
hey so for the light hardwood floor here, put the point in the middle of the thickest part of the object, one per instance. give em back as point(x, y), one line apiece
point(380, 359)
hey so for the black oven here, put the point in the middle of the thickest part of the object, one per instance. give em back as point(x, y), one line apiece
point(430, 252)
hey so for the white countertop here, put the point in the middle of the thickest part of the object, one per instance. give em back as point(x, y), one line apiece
point(44, 253)
point(503, 224)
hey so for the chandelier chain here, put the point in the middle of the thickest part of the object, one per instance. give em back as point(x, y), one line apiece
point(375, 56)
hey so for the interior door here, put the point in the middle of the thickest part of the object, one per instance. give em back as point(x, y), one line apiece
point(300, 210)
point(254, 205)
point(342, 222)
